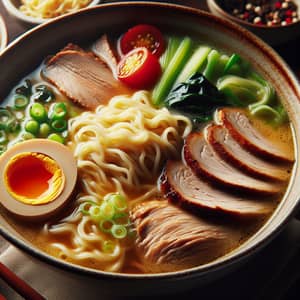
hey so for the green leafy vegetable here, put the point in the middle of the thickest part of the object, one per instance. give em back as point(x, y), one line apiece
point(172, 46)
point(163, 87)
point(197, 96)
point(234, 59)
point(195, 62)
point(210, 71)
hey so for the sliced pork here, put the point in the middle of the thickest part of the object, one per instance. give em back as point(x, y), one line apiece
point(230, 150)
point(241, 129)
point(181, 186)
point(82, 77)
point(169, 238)
point(103, 49)
point(205, 162)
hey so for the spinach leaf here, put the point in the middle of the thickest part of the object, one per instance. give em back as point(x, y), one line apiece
point(197, 96)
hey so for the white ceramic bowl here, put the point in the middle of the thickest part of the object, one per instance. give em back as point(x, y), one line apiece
point(3, 34)
point(274, 35)
point(12, 7)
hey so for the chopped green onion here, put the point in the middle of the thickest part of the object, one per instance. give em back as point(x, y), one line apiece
point(56, 137)
point(95, 212)
point(108, 246)
point(107, 210)
point(59, 125)
point(117, 201)
point(20, 101)
point(38, 112)
point(58, 111)
point(32, 126)
point(3, 137)
point(45, 130)
point(106, 225)
point(85, 207)
point(5, 117)
point(118, 231)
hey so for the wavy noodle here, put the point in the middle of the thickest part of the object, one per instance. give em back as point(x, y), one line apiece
point(51, 8)
point(120, 147)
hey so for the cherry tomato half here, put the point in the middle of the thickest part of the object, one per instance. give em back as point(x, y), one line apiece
point(143, 35)
point(139, 68)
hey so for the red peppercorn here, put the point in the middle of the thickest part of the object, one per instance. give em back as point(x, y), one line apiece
point(278, 4)
point(289, 13)
point(289, 20)
point(246, 16)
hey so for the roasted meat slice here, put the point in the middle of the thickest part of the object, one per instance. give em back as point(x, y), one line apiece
point(241, 129)
point(231, 151)
point(82, 77)
point(104, 50)
point(169, 238)
point(205, 162)
point(182, 187)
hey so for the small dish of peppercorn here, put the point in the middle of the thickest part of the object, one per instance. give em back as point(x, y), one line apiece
point(275, 21)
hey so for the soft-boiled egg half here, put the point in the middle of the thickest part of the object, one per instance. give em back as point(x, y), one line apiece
point(38, 178)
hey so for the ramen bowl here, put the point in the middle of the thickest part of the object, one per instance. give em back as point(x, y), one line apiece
point(86, 26)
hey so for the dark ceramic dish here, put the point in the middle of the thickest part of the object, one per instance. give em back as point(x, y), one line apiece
point(26, 53)
point(273, 35)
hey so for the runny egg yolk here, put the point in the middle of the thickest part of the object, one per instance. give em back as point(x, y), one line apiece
point(33, 178)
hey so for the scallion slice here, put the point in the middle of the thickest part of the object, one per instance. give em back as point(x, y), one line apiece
point(118, 231)
point(20, 101)
point(5, 117)
point(59, 125)
point(108, 246)
point(58, 111)
point(106, 225)
point(85, 207)
point(118, 201)
point(38, 112)
point(107, 210)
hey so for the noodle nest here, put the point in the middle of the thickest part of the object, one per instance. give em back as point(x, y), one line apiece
point(121, 147)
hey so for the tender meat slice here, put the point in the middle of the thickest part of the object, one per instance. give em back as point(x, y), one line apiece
point(169, 238)
point(205, 162)
point(230, 150)
point(82, 77)
point(241, 129)
point(103, 49)
point(181, 186)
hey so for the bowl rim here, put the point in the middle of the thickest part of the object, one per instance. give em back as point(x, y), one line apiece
point(228, 15)
point(14, 11)
point(3, 34)
point(195, 271)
